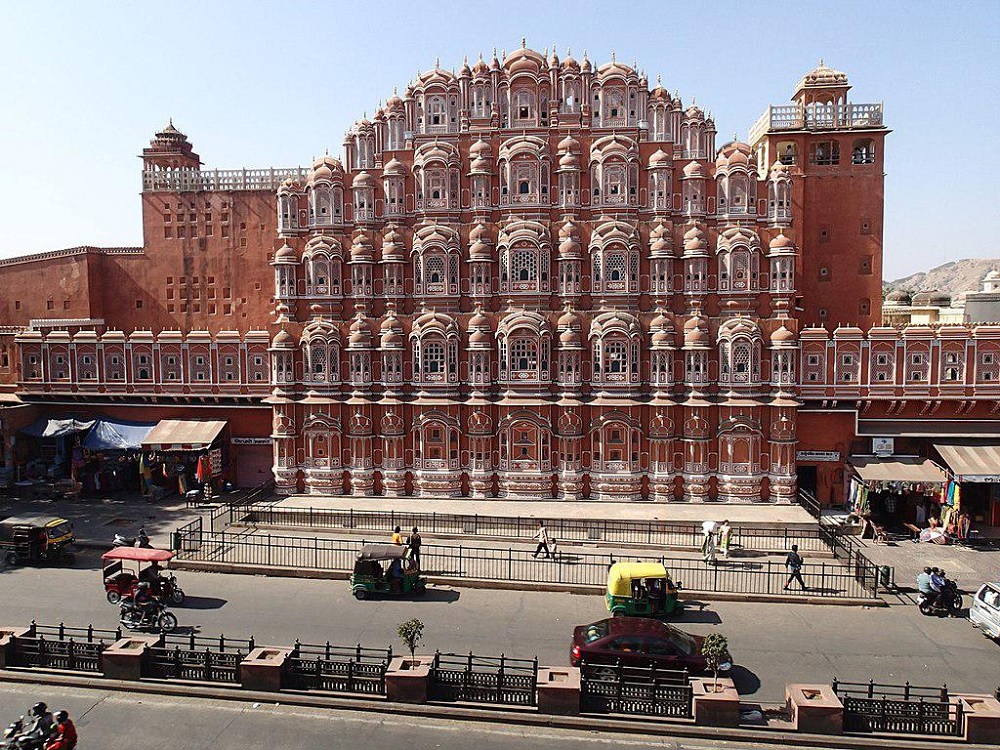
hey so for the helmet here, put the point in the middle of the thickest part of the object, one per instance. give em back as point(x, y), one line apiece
point(38, 709)
point(144, 586)
point(61, 716)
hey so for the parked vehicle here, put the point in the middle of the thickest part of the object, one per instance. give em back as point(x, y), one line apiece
point(141, 540)
point(641, 589)
point(151, 616)
point(26, 539)
point(984, 614)
point(947, 602)
point(386, 569)
point(124, 567)
point(639, 642)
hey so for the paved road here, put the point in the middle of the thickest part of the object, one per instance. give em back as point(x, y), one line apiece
point(132, 721)
point(773, 643)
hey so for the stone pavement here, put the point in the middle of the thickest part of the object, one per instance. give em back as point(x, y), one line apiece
point(747, 515)
point(967, 566)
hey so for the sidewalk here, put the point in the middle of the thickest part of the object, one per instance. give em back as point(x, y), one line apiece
point(746, 515)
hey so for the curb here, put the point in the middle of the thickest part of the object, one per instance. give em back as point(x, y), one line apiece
point(481, 583)
point(450, 712)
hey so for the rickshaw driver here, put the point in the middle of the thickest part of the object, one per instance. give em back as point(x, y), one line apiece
point(151, 574)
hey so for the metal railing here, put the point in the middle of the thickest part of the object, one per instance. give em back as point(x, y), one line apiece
point(606, 688)
point(484, 679)
point(654, 533)
point(191, 657)
point(833, 580)
point(340, 669)
point(898, 709)
point(62, 647)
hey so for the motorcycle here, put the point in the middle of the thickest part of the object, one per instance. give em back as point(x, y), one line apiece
point(153, 616)
point(948, 601)
point(142, 540)
point(15, 738)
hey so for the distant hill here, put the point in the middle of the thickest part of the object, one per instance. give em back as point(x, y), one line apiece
point(955, 277)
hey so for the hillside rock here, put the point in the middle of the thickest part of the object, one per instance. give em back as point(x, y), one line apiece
point(954, 278)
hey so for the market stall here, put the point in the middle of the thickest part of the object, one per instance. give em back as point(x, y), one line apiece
point(896, 493)
point(191, 451)
point(111, 455)
point(51, 449)
point(976, 468)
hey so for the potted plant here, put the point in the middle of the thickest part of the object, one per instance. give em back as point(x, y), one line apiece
point(715, 649)
point(411, 633)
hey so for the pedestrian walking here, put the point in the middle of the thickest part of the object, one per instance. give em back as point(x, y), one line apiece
point(708, 542)
point(793, 563)
point(725, 537)
point(397, 536)
point(543, 540)
point(414, 544)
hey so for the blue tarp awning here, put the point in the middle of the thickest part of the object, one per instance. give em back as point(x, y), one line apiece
point(47, 427)
point(108, 434)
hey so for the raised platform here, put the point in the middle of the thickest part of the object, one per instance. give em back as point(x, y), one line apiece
point(745, 515)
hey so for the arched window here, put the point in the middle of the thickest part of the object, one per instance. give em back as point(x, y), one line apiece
point(433, 358)
point(437, 115)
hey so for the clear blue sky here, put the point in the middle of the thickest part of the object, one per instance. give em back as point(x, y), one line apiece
point(85, 84)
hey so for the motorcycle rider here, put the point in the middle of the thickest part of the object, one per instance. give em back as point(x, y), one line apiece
point(144, 601)
point(924, 583)
point(64, 734)
point(938, 582)
point(40, 725)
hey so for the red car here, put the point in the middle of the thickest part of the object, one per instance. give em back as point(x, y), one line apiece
point(640, 642)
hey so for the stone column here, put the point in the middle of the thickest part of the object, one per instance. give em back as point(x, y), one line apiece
point(262, 669)
point(123, 659)
point(559, 691)
point(815, 709)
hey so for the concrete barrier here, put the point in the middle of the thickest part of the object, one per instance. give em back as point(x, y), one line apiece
point(815, 709)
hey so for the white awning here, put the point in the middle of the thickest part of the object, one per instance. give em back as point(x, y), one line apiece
point(971, 463)
point(898, 469)
point(183, 434)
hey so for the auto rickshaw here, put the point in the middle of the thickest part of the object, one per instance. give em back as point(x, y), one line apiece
point(123, 569)
point(640, 589)
point(30, 538)
point(386, 569)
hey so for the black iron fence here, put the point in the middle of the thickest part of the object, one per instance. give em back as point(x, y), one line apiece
point(607, 688)
point(62, 647)
point(825, 579)
point(341, 669)
point(898, 709)
point(199, 658)
point(483, 679)
point(607, 531)
point(848, 550)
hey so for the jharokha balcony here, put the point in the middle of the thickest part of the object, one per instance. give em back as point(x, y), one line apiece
point(816, 117)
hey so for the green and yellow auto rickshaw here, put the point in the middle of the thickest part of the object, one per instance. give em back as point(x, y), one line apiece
point(640, 589)
point(26, 539)
point(386, 569)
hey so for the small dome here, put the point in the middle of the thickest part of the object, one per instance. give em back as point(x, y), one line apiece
point(479, 250)
point(568, 319)
point(570, 144)
point(480, 68)
point(782, 336)
point(585, 66)
point(931, 298)
point(480, 148)
point(823, 75)
point(695, 336)
point(363, 180)
point(694, 113)
point(569, 336)
point(569, 161)
point(992, 276)
point(782, 242)
point(694, 170)
point(361, 248)
point(394, 168)
point(898, 297)
point(286, 254)
point(478, 319)
point(289, 185)
point(283, 340)
point(479, 232)
point(734, 153)
point(659, 158)
point(360, 333)
point(480, 336)
point(662, 338)
point(694, 240)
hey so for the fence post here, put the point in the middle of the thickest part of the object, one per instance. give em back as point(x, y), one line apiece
point(822, 585)
point(510, 564)
point(499, 695)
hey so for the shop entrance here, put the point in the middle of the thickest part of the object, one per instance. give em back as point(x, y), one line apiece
point(807, 479)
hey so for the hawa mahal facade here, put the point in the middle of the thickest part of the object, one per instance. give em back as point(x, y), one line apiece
point(535, 278)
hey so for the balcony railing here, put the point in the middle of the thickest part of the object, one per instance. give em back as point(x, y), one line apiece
point(180, 180)
point(797, 117)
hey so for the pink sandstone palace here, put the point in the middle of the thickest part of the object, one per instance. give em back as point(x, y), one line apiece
point(534, 278)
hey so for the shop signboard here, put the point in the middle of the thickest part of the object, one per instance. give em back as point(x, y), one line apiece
point(215, 461)
point(251, 441)
point(833, 456)
point(883, 446)
point(984, 478)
